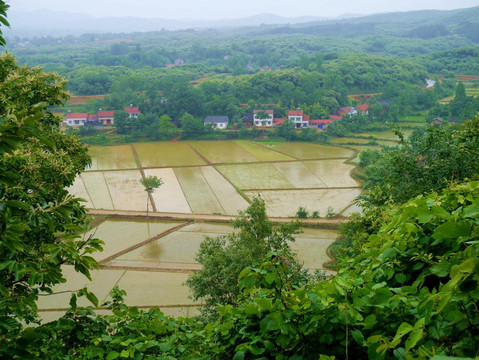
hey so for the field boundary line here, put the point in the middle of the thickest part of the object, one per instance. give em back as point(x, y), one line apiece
point(279, 152)
point(183, 191)
point(136, 306)
point(148, 269)
point(199, 154)
point(142, 243)
point(214, 194)
point(108, 189)
point(308, 188)
point(87, 192)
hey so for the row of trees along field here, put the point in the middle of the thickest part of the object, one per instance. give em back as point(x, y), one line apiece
point(406, 286)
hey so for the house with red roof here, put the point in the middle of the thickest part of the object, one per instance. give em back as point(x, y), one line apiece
point(133, 111)
point(99, 119)
point(299, 119)
point(106, 117)
point(348, 110)
point(76, 119)
point(320, 123)
point(363, 109)
point(335, 117)
point(267, 122)
point(278, 121)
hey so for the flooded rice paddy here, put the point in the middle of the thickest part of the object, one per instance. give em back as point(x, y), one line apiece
point(152, 260)
point(217, 177)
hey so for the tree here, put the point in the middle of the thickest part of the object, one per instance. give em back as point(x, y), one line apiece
point(3, 19)
point(224, 257)
point(166, 128)
point(287, 130)
point(39, 220)
point(191, 127)
point(151, 183)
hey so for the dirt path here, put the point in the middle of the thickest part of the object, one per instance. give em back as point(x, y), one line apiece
point(324, 223)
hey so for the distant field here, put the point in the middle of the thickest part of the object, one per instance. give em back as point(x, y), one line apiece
point(413, 118)
point(240, 170)
point(112, 157)
point(223, 152)
point(350, 140)
point(285, 203)
point(167, 154)
point(80, 100)
point(261, 152)
point(386, 135)
point(305, 151)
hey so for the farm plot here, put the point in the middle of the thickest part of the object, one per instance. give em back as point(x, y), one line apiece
point(96, 186)
point(218, 152)
point(201, 198)
point(168, 197)
point(299, 175)
point(255, 176)
point(125, 189)
point(155, 288)
point(262, 153)
point(304, 151)
point(387, 135)
point(285, 203)
point(120, 235)
point(333, 173)
point(225, 193)
point(173, 251)
point(351, 140)
point(112, 157)
point(311, 247)
point(167, 154)
point(78, 190)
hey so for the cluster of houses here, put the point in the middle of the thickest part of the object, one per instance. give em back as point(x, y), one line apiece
point(265, 118)
point(259, 118)
point(100, 119)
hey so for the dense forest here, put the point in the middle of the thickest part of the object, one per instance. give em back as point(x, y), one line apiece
point(407, 268)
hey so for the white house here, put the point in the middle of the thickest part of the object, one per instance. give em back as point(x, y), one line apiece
point(267, 122)
point(76, 119)
point(299, 119)
point(219, 122)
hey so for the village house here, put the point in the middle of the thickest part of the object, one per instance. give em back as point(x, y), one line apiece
point(218, 122)
point(133, 111)
point(248, 120)
point(299, 119)
point(363, 109)
point(98, 120)
point(348, 110)
point(321, 124)
point(266, 122)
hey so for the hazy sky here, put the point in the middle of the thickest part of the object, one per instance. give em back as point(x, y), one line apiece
point(232, 9)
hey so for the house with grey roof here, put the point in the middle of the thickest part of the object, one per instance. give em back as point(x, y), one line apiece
point(218, 122)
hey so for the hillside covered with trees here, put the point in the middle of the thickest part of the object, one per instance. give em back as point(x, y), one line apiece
point(407, 269)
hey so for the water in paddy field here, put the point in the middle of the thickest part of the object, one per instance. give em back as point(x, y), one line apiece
point(152, 260)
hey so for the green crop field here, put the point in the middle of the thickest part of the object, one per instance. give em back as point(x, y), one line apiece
point(305, 151)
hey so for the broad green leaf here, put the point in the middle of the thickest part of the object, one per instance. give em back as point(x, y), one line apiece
point(413, 338)
point(403, 329)
point(239, 355)
point(358, 336)
point(451, 230)
point(112, 355)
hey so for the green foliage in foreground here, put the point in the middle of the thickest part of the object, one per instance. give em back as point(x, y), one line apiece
point(224, 257)
point(411, 294)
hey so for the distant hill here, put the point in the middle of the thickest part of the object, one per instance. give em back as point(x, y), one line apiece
point(56, 23)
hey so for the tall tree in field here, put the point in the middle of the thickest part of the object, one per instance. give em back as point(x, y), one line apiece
point(151, 183)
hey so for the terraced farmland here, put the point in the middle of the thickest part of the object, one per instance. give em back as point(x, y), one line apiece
point(219, 177)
